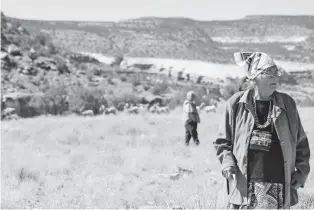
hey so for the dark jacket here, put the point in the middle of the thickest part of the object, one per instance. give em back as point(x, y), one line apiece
point(234, 135)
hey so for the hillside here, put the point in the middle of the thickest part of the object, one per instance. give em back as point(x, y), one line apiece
point(284, 37)
point(38, 76)
point(43, 76)
point(129, 160)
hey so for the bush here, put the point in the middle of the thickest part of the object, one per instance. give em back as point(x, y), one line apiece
point(41, 43)
point(142, 66)
point(307, 101)
point(96, 71)
point(179, 96)
point(90, 76)
point(233, 85)
point(118, 101)
point(79, 58)
point(199, 79)
point(176, 100)
point(86, 98)
point(39, 105)
point(146, 87)
point(123, 78)
point(180, 76)
point(61, 64)
point(287, 78)
point(160, 88)
point(56, 100)
point(110, 80)
point(137, 79)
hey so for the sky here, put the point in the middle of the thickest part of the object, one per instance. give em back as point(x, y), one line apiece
point(115, 10)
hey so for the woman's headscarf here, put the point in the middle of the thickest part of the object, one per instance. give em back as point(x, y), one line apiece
point(253, 62)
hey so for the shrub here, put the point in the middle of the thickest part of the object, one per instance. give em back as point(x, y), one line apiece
point(110, 80)
point(201, 95)
point(136, 80)
point(287, 78)
point(160, 88)
point(41, 43)
point(61, 64)
point(307, 101)
point(96, 71)
point(180, 76)
point(56, 100)
point(123, 78)
point(146, 87)
point(39, 105)
point(142, 66)
point(86, 98)
point(79, 58)
point(176, 100)
point(118, 101)
point(90, 75)
point(232, 86)
point(199, 79)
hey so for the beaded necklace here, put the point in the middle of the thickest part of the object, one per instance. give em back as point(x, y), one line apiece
point(268, 121)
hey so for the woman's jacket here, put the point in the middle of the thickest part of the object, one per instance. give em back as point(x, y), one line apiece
point(234, 134)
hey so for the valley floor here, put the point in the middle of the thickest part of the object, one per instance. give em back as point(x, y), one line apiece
point(123, 161)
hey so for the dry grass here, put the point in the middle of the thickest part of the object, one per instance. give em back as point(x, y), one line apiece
point(114, 162)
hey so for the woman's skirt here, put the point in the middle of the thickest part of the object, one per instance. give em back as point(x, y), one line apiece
point(265, 195)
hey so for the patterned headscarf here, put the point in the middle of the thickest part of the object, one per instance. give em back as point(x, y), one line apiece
point(254, 62)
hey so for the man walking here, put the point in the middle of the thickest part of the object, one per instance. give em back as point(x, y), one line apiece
point(191, 118)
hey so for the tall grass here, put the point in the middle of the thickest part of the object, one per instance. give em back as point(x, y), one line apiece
point(114, 162)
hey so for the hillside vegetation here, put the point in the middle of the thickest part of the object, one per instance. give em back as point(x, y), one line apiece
point(59, 80)
point(284, 37)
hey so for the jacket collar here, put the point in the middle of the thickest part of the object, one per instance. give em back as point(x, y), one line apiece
point(278, 104)
point(277, 100)
point(188, 101)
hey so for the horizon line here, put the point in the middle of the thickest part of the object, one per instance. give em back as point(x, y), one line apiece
point(162, 17)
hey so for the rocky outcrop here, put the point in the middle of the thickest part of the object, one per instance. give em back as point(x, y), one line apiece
point(14, 50)
point(46, 63)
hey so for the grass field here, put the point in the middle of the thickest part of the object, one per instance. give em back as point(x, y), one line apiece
point(121, 161)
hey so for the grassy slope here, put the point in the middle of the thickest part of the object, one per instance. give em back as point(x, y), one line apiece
point(112, 162)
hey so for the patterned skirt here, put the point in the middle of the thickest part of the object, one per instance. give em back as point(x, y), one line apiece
point(265, 195)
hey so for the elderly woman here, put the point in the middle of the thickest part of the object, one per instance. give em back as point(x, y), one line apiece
point(261, 145)
point(191, 118)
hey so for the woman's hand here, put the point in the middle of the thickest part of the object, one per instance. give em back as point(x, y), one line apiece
point(295, 184)
point(229, 172)
point(295, 177)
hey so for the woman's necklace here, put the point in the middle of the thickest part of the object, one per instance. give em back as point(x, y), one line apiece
point(268, 121)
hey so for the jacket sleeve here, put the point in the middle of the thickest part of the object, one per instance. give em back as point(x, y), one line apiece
point(189, 111)
point(302, 154)
point(224, 140)
point(197, 116)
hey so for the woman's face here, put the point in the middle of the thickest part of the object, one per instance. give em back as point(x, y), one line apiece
point(267, 81)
